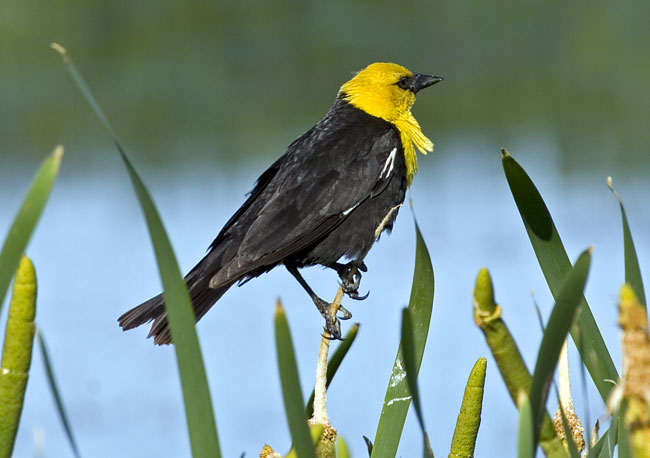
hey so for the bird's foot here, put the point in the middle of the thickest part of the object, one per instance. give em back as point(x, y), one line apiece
point(350, 275)
point(332, 323)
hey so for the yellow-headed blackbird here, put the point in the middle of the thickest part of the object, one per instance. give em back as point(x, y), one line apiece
point(319, 203)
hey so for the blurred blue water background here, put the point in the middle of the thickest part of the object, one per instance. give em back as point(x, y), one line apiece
point(206, 95)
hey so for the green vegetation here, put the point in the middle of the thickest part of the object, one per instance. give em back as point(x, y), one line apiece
point(17, 353)
point(568, 73)
point(629, 429)
point(469, 417)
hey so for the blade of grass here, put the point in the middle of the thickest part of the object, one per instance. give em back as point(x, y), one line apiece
point(25, 221)
point(397, 400)
point(604, 448)
point(610, 438)
point(555, 264)
point(525, 441)
point(632, 269)
point(201, 423)
point(561, 320)
point(408, 353)
point(335, 362)
point(595, 451)
point(56, 393)
point(624, 450)
point(291, 391)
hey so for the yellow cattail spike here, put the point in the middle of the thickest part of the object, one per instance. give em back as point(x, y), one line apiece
point(268, 452)
point(484, 292)
point(17, 353)
point(487, 316)
point(326, 445)
point(636, 371)
point(469, 418)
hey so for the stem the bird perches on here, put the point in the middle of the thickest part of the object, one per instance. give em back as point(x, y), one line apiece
point(320, 415)
point(320, 386)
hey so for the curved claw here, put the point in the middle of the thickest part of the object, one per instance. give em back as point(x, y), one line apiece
point(327, 335)
point(356, 296)
point(346, 313)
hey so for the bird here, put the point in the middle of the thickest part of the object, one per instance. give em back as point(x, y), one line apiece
point(321, 202)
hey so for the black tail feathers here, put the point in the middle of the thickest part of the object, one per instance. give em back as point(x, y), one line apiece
point(153, 309)
point(203, 297)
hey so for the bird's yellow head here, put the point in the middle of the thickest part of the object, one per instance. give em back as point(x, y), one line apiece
point(387, 91)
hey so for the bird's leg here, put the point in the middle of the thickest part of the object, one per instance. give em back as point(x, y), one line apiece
point(350, 275)
point(332, 323)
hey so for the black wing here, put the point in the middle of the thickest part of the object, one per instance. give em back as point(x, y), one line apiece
point(308, 192)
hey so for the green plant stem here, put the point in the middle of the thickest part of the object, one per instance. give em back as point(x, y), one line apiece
point(290, 383)
point(469, 418)
point(487, 315)
point(17, 353)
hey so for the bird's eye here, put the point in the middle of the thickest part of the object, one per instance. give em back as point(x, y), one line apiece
point(403, 82)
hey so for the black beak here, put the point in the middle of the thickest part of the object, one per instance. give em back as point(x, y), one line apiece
point(419, 81)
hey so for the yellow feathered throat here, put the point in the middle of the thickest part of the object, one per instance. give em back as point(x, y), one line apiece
point(375, 91)
point(412, 137)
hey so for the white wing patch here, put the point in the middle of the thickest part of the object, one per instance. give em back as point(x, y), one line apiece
point(346, 212)
point(385, 173)
point(388, 166)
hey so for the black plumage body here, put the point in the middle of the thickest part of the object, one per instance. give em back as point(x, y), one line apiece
point(321, 201)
